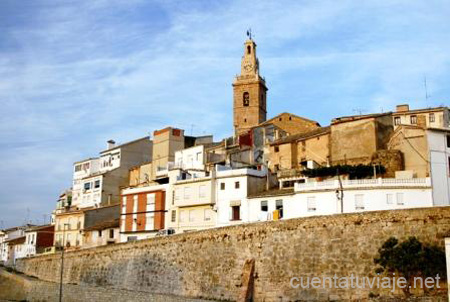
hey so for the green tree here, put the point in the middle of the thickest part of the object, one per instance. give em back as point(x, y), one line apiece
point(410, 259)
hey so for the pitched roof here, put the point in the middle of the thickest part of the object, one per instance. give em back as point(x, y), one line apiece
point(301, 136)
point(17, 240)
point(270, 121)
point(351, 118)
point(39, 227)
point(114, 223)
point(125, 144)
point(273, 192)
point(431, 109)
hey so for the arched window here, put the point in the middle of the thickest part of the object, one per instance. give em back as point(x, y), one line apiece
point(246, 98)
point(249, 49)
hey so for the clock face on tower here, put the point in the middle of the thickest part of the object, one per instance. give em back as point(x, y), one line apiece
point(248, 66)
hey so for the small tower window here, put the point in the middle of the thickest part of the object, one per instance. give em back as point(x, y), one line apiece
point(249, 49)
point(246, 99)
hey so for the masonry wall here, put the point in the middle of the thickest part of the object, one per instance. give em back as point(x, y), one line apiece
point(209, 263)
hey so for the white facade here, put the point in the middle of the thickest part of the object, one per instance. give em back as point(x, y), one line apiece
point(199, 200)
point(233, 187)
point(190, 158)
point(81, 170)
point(3, 250)
point(439, 152)
point(321, 198)
point(30, 244)
point(91, 191)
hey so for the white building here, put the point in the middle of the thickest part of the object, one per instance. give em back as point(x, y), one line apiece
point(2, 247)
point(232, 187)
point(191, 158)
point(102, 187)
point(37, 239)
point(200, 200)
point(12, 244)
point(323, 198)
point(439, 159)
point(82, 169)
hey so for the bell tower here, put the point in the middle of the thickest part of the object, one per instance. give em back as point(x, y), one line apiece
point(249, 92)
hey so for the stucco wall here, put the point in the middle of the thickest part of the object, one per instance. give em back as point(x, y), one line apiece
point(209, 263)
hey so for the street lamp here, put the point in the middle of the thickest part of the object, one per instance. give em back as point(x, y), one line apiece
point(340, 191)
point(62, 262)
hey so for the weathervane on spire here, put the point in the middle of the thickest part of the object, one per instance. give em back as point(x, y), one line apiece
point(249, 33)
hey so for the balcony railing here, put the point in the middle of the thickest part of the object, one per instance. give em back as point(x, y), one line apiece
point(363, 183)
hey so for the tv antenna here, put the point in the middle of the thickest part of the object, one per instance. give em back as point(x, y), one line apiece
point(359, 111)
point(426, 89)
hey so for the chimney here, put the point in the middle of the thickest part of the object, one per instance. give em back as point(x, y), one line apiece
point(403, 108)
point(111, 144)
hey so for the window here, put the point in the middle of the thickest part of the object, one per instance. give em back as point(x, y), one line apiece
point(264, 206)
point(150, 202)
point(222, 186)
point(187, 193)
point(69, 239)
point(77, 168)
point(448, 141)
point(149, 221)
point(99, 233)
point(131, 238)
point(87, 186)
point(183, 216)
point(174, 216)
point(97, 184)
point(245, 120)
point(389, 198)
point(207, 213)
point(311, 203)
point(191, 215)
point(397, 120)
point(202, 191)
point(413, 119)
point(246, 99)
point(449, 165)
point(277, 167)
point(277, 149)
point(431, 118)
point(279, 206)
point(177, 194)
point(236, 185)
point(400, 199)
point(359, 202)
point(235, 213)
point(111, 233)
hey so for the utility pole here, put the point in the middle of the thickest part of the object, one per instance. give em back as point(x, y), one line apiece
point(62, 263)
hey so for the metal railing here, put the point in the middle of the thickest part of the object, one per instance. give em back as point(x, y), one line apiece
point(363, 183)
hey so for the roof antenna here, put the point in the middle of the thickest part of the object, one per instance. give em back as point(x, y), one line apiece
point(426, 89)
point(359, 111)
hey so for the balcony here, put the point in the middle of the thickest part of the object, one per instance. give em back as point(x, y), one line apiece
point(163, 171)
point(363, 183)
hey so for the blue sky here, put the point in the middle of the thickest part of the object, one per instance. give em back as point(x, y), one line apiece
point(77, 73)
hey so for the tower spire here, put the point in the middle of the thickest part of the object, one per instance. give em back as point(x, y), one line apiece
point(249, 91)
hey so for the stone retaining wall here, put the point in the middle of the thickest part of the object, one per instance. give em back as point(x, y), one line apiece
point(208, 264)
